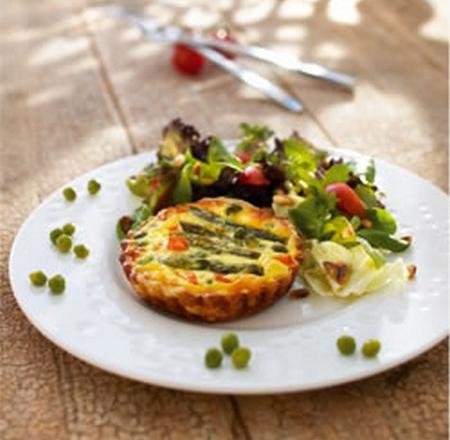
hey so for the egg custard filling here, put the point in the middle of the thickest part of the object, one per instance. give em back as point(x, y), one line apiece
point(215, 259)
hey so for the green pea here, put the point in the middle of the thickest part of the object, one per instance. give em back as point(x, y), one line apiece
point(93, 187)
point(57, 284)
point(230, 342)
point(38, 278)
point(241, 357)
point(240, 233)
point(371, 348)
point(81, 251)
point(68, 229)
point(213, 358)
point(346, 345)
point(54, 234)
point(69, 194)
point(64, 243)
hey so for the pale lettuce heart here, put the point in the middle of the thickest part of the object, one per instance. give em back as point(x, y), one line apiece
point(364, 275)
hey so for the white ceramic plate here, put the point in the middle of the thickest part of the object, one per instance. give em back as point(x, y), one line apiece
point(99, 319)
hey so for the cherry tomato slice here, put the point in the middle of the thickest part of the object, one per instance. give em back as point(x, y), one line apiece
point(187, 60)
point(347, 200)
point(244, 156)
point(177, 244)
point(253, 175)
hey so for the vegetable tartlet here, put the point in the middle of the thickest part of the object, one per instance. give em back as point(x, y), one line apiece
point(215, 259)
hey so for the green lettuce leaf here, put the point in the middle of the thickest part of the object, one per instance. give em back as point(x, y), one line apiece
point(367, 195)
point(310, 216)
point(253, 137)
point(382, 220)
point(183, 189)
point(339, 230)
point(339, 172)
point(370, 172)
point(300, 163)
point(218, 155)
point(383, 240)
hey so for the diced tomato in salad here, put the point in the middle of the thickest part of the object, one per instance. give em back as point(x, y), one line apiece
point(244, 156)
point(347, 199)
point(253, 175)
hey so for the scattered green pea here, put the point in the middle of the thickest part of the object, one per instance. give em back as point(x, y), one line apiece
point(346, 345)
point(213, 358)
point(64, 243)
point(229, 342)
point(371, 348)
point(57, 284)
point(93, 187)
point(38, 278)
point(69, 194)
point(241, 357)
point(54, 234)
point(68, 229)
point(81, 251)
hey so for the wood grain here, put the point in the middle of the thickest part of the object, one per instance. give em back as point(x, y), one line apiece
point(77, 91)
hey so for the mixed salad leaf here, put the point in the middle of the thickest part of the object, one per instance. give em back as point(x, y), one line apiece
point(333, 204)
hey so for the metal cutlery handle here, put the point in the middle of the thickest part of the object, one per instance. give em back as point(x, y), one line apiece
point(283, 60)
point(253, 79)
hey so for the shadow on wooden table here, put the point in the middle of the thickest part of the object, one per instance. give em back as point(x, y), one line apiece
point(384, 43)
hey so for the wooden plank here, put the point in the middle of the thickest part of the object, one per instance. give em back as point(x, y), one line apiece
point(423, 26)
point(58, 120)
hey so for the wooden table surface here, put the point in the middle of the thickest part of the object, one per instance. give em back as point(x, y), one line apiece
point(78, 92)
